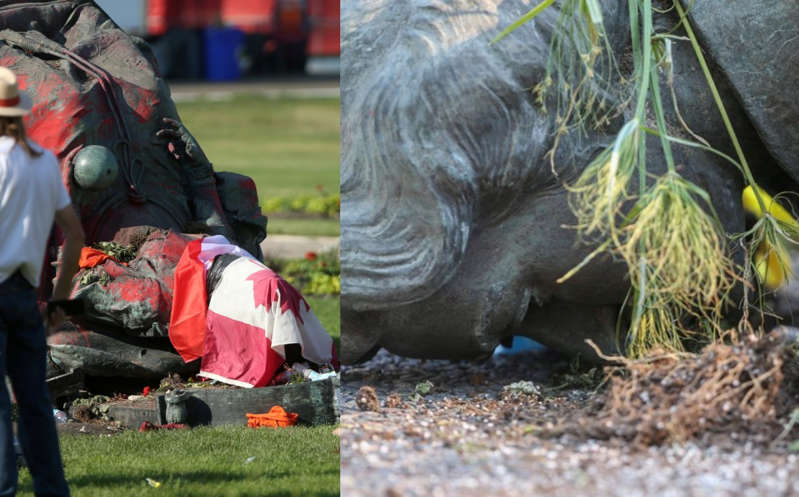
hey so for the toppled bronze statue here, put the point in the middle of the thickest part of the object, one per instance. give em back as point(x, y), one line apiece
point(136, 176)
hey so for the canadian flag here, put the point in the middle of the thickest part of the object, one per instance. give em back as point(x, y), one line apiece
point(252, 315)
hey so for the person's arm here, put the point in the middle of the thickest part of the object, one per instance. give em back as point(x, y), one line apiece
point(68, 221)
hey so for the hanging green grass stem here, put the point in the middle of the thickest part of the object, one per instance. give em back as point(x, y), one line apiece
point(598, 194)
point(673, 244)
point(685, 249)
point(523, 19)
point(656, 328)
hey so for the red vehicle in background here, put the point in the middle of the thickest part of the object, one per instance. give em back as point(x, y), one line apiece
point(324, 37)
point(262, 36)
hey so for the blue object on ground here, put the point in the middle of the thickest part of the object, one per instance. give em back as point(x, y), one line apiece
point(519, 345)
point(59, 416)
point(221, 53)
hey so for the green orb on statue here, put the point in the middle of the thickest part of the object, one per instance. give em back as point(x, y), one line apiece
point(95, 167)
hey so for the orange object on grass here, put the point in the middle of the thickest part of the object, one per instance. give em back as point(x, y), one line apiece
point(276, 417)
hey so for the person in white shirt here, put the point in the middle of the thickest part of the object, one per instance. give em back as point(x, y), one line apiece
point(32, 196)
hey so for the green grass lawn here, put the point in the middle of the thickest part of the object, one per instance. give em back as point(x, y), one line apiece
point(202, 462)
point(308, 227)
point(328, 310)
point(290, 147)
point(208, 462)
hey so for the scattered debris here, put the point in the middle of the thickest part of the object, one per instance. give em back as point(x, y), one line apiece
point(367, 400)
point(60, 416)
point(89, 408)
point(578, 375)
point(148, 426)
point(393, 401)
point(119, 251)
point(95, 275)
point(153, 483)
point(286, 376)
point(306, 373)
point(82, 413)
point(171, 382)
point(249, 460)
point(424, 387)
point(521, 388)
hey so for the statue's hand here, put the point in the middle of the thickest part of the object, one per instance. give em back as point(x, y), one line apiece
point(181, 143)
point(205, 205)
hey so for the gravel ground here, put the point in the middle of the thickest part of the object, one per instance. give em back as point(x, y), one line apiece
point(469, 437)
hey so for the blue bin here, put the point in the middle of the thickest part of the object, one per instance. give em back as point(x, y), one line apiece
point(221, 49)
point(519, 345)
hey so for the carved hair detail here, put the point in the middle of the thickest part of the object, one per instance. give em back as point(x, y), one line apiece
point(438, 133)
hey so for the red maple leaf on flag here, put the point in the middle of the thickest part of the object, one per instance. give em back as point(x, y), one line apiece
point(269, 287)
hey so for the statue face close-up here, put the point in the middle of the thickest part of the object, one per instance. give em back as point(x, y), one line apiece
point(456, 219)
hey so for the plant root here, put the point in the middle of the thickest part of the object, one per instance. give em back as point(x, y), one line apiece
point(669, 397)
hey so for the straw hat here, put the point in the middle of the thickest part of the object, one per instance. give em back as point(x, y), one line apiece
point(13, 102)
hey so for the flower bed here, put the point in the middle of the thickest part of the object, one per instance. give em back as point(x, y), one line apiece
point(315, 274)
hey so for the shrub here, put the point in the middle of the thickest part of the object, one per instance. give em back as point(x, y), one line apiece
point(315, 274)
point(276, 204)
point(325, 206)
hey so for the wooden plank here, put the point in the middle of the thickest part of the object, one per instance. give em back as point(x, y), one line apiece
point(65, 384)
point(316, 402)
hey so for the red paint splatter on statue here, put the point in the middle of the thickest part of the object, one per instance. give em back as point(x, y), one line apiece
point(137, 290)
point(56, 118)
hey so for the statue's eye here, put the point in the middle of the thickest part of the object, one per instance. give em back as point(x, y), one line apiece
point(94, 167)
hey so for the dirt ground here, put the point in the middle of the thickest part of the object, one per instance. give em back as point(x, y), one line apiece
point(469, 437)
point(93, 427)
point(90, 423)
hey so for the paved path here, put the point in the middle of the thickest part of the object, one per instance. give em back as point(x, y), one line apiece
point(300, 88)
point(295, 247)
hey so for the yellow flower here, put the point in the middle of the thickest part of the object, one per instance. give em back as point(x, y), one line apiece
point(773, 265)
point(773, 207)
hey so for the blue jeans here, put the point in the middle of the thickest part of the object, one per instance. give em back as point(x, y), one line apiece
point(23, 356)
